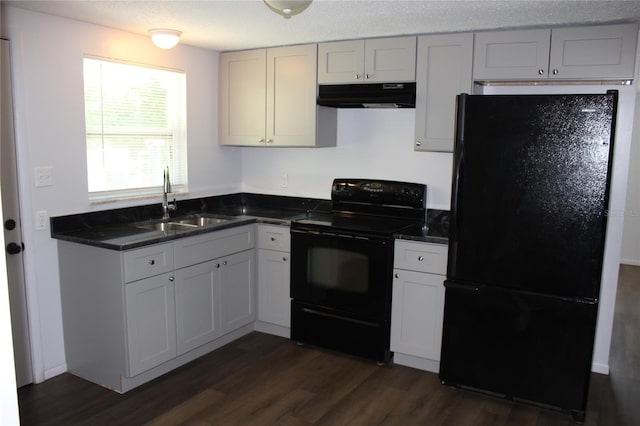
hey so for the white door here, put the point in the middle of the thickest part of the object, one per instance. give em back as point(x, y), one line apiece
point(12, 228)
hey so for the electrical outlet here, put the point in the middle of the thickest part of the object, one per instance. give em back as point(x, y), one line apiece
point(284, 180)
point(42, 220)
point(44, 176)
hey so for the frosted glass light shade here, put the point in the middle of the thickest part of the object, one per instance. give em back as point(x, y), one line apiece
point(164, 38)
point(288, 8)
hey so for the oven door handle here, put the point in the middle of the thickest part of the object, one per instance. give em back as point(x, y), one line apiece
point(338, 235)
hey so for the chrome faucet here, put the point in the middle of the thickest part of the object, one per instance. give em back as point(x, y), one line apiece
point(166, 205)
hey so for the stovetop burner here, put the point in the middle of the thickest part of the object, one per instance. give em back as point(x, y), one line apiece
point(361, 223)
point(372, 207)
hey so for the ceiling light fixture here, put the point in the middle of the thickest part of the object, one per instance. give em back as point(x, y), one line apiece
point(288, 8)
point(164, 38)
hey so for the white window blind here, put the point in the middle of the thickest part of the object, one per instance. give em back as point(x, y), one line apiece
point(136, 125)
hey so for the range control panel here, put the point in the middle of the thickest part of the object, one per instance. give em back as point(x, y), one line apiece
point(379, 192)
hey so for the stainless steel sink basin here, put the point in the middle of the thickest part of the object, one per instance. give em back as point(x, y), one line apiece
point(200, 221)
point(184, 223)
point(166, 226)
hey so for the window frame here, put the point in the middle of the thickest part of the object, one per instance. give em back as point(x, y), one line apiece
point(178, 164)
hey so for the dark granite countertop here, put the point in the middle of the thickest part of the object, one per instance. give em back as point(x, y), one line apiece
point(436, 231)
point(121, 229)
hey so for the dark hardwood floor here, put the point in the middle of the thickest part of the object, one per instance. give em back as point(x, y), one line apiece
point(266, 380)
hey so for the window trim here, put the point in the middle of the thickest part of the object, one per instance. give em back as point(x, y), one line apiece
point(180, 156)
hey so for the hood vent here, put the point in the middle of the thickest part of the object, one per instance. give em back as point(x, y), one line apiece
point(369, 95)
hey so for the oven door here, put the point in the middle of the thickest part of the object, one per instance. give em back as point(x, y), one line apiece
point(347, 273)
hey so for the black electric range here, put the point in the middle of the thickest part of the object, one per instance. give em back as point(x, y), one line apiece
point(342, 263)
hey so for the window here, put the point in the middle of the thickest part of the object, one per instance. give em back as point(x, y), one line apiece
point(136, 126)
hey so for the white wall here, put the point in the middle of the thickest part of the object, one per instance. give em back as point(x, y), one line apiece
point(47, 57)
point(372, 143)
point(631, 238)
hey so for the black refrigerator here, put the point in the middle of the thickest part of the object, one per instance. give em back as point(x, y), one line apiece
point(528, 220)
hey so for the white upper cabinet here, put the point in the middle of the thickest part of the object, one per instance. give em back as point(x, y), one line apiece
point(597, 52)
point(268, 98)
point(242, 97)
point(443, 71)
point(291, 96)
point(367, 61)
point(586, 52)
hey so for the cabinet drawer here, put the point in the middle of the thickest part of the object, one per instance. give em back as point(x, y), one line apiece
point(148, 261)
point(272, 237)
point(421, 257)
point(201, 248)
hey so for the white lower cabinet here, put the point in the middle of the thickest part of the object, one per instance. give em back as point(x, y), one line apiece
point(197, 311)
point(274, 302)
point(418, 303)
point(151, 322)
point(237, 290)
point(132, 316)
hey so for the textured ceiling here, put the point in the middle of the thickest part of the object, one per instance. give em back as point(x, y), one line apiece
point(240, 24)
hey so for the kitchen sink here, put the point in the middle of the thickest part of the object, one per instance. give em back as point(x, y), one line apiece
point(199, 221)
point(184, 223)
point(166, 226)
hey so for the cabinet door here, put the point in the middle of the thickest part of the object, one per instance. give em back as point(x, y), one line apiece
point(242, 107)
point(197, 305)
point(291, 95)
point(237, 290)
point(606, 51)
point(274, 303)
point(511, 55)
point(443, 71)
point(151, 322)
point(341, 62)
point(416, 314)
point(390, 59)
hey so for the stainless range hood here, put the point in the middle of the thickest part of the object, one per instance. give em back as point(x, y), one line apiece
point(368, 95)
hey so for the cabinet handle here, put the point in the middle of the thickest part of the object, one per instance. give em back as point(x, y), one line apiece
point(273, 238)
point(269, 140)
point(152, 262)
point(260, 140)
point(540, 71)
point(284, 258)
point(397, 275)
point(357, 76)
point(224, 262)
point(420, 258)
point(555, 71)
point(172, 279)
point(217, 265)
point(418, 143)
point(368, 76)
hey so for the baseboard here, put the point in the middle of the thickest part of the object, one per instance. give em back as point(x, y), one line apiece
point(276, 330)
point(632, 262)
point(600, 368)
point(416, 362)
point(55, 371)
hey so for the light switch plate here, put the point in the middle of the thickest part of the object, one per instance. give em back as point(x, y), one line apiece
point(42, 220)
